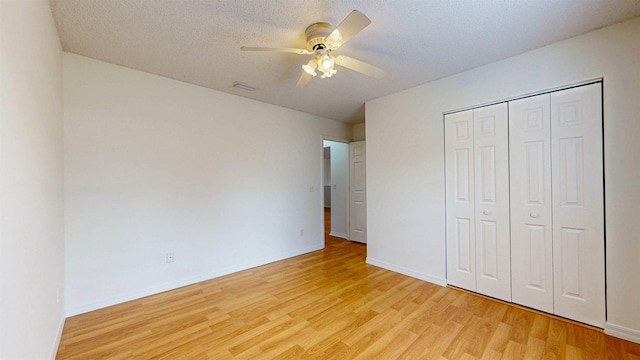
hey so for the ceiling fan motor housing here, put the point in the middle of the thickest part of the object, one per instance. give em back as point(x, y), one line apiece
point(317, 34)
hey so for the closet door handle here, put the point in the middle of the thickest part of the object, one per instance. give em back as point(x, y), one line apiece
point(534, 215)
point(486, 212)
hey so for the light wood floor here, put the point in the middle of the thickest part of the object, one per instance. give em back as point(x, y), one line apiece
point(328, 304)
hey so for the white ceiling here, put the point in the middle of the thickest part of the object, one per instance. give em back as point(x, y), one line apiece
point(198, 41)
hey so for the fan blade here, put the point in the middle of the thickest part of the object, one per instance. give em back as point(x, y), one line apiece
point(360, 66)
point(351, 25)
point(304, 79)
point(287, 50)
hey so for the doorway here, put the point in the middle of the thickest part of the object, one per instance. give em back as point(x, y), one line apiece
point(336, 188)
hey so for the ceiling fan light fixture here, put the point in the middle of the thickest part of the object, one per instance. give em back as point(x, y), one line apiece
point(326, 65)
point(325, 62)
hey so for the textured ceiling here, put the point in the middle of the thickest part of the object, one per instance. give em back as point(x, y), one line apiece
point(198, 41)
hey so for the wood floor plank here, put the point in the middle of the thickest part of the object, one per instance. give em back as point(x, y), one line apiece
point(440, 339)
point(556, 340)
point(329, 304)
point(330, 337)
point(534, 349)
point(500, 339)
point(520, 324)
point(390, 347)
point(514, 350)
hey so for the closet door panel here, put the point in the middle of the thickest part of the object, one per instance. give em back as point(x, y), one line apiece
point(578, 229)
point(493, 263)
point(460, 197)
point(531, 207)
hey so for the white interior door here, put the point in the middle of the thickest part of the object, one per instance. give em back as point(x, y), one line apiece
point(531, 211)
point(578, 203)
point(460, 212)
point(491, 154)
point(358, 192)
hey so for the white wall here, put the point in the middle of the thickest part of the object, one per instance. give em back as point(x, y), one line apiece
point(359, 132)
point(405, 160)
point(339, 188)
point(31, 203)
point(153, 165)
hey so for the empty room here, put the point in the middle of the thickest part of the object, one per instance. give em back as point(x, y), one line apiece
point(217, 179)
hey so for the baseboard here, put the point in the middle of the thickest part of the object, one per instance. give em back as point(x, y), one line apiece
point(56, 342)
point(406, 271)
point(133, 295)
point(338, 234)
point(622, 332)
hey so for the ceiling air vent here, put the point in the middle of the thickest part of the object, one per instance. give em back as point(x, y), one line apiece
point(241, 86)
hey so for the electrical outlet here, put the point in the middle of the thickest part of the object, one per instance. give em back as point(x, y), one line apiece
point(57, 295)
point(170, 257)
point(301, 232)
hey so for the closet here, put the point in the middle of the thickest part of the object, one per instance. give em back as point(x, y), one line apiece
point(552, 252)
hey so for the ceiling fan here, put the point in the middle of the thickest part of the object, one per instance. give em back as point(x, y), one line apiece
point(322, 40)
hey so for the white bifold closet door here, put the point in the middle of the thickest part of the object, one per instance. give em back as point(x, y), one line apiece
point(477, 193)
point(531, 209)
point(557, 216)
